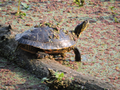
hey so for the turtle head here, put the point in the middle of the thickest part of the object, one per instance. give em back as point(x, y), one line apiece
point(81, 27)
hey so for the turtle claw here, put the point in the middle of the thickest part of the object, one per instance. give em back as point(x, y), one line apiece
point(41, 55)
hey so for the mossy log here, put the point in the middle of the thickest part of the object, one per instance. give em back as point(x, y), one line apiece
point(44, 67)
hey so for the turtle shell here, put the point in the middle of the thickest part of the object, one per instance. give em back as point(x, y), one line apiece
point(46, 38)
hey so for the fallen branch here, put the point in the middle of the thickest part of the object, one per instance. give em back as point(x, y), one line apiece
point(45, 67)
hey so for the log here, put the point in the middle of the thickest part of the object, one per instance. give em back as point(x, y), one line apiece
point(47, 67)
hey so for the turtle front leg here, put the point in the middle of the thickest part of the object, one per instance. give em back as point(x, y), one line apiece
point(41, 55)
point(77, 54)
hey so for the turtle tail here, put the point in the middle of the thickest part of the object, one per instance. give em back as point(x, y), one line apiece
point(77, 54)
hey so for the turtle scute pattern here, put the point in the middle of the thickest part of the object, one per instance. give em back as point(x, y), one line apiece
point(46, 38)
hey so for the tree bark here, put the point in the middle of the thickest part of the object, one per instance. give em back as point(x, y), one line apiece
point(44, 67)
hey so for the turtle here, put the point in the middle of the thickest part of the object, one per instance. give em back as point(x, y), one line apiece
point(45, 40)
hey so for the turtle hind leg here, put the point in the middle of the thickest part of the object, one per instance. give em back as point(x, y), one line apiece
point(41, 55)
point(77, 54)
point(60, 56)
